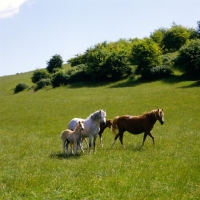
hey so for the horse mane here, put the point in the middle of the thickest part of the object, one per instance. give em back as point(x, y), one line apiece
point(152, 115)
point(78, 124)
point(95, 116)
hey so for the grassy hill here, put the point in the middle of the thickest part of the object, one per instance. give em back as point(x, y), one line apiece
point(32, 166)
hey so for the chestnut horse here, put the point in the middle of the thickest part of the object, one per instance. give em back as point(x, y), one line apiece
point(137, 124)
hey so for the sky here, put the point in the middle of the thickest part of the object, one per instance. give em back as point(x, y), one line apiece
point(32, 31)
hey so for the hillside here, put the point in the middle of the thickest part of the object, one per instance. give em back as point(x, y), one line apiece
point(33, 167)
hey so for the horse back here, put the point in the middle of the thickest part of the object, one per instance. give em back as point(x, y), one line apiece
point(134, 124)
point(72, 124)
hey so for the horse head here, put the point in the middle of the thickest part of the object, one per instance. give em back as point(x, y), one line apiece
point(102, 116)
point(159, 114)
point(81, 124)
point(108, 123)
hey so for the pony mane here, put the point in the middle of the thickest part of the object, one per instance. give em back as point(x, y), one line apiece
point(77, 126)
point(97, 115)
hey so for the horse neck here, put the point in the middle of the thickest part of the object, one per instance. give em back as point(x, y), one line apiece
point(93, 119)
point(77, 128)
point(152, 118)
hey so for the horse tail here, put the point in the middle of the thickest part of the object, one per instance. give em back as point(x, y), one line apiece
point(114, 126)
point(63, 136)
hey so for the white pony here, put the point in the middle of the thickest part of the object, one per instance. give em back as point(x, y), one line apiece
point(91, 126)
point(72, 137)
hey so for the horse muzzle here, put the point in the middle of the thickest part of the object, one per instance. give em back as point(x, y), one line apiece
point(162, 122)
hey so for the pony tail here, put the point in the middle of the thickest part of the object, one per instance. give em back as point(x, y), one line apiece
point(62, 135)
point(114, 125)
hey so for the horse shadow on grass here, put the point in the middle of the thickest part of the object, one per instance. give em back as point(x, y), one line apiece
point(61, 156)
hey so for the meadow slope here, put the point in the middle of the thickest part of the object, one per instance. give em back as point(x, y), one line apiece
point(32, 166)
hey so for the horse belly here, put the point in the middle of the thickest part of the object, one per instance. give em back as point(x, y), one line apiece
point(135, 127)
point(135, 130)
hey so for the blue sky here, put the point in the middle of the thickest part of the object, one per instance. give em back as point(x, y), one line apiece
point(32, 31)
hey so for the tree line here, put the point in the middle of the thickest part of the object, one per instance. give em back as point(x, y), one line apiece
point(152, 58)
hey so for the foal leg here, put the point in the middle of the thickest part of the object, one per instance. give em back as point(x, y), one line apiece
point(75, 148)
point(63, 148)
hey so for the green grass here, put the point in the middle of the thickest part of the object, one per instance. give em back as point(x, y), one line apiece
point(31, 163)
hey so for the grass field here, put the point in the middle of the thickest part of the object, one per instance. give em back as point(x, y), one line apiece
point(32, 166)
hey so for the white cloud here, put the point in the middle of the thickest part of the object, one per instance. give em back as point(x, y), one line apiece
point(8, 8)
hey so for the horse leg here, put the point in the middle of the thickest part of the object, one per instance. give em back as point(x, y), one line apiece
point(100, 135)
point(115, 140)
point(67, 148)
point(72, 147)
point(90, 143)
point(152, 137)
point(63, 148)
point(86, 143)
point(95, 137)
point(144, 138)
point(121, 139)
point(81, 146)
point(75, 148)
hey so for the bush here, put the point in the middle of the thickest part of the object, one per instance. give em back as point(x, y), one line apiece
point(175, 37)
point(157, 72)
point(146, 54)
point(188, 60)
point(39, 74)
point(42, 83)
point(78, 74)
point(59, 78)
point(20, 87)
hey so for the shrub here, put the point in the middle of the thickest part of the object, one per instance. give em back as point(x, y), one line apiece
point(157, 72)
point(146, 54)
point(188, 59)
point(42, 83)
point(79, 76)
point(20, 87)
point(175, 37)
point(39, 74)
point(59, 78)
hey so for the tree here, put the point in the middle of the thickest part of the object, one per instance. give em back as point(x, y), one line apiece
point(146, 54)
point(158, 35)
point(54, 63)
point(175, 37)
point(188, 59)
point(105, 60)
point(198, 27)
